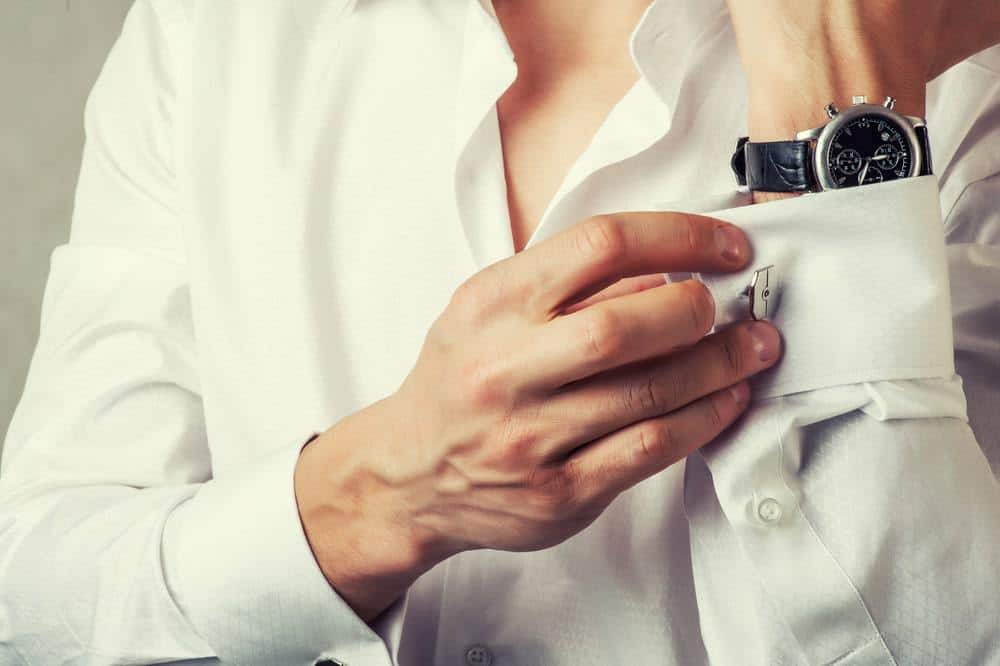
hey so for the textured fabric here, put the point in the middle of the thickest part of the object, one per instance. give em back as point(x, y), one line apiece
point(277, 199)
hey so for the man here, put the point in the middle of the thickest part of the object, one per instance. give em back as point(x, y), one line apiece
point(399, 226)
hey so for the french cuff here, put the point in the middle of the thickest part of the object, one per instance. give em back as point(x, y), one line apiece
point(863, 280)
point(239, 566)
point(864, 298)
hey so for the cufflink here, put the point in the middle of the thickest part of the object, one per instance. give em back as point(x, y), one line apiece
point(762, 293)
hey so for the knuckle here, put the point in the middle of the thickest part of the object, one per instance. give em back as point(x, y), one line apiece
point(602, 238)
point(478, 297)
point(642, 396)
point(716, 414)
point(603, 338)
point(700, 305)
point(518, 444)
point(732, 356)
point(697, 236)
point(440, 333)
point(656, 440)
point(469, 298)
point(553, 493)
point(679, 391)
point(486, 383)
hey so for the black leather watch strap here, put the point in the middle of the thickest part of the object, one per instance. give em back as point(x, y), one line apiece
point(927, 166)
point(773, 166)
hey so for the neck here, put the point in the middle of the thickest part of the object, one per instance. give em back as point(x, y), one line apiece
point(556, 35)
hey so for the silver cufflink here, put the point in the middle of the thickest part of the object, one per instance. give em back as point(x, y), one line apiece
point(763, 292)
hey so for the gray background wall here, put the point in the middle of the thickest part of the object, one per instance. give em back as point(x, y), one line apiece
point(50, 54)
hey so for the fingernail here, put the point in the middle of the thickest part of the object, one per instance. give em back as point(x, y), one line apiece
point(740, 393)
point(766, 341)
point(729, 240)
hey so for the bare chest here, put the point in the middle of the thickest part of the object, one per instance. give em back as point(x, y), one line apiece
point(543, 131)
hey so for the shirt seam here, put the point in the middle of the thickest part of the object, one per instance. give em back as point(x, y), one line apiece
point(861, 648)
point(947, 217)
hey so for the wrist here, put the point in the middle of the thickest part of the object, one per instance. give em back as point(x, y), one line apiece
point(773, 117)
point(367, 549)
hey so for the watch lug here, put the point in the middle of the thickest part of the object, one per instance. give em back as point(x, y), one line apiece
point(809, 134)
point(916, 121)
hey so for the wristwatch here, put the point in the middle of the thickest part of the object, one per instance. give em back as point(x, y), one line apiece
point(863, 144)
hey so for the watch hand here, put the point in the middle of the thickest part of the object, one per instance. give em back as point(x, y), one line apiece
point(876, 158)
point(864, 171)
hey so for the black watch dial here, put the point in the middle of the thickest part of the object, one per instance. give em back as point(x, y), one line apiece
point(869, 149)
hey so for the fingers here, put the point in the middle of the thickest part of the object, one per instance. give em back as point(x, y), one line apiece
point(613, 400)
point(623, 287)
point(598, 252)
point(617, 462)
point(619, 331)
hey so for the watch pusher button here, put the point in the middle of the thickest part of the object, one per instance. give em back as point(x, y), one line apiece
point(889, 103)
point(831, 109)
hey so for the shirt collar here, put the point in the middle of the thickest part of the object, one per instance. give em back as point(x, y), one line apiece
point(662, 44)
point(667, 39)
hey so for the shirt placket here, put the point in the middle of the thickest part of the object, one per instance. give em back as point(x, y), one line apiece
point(480, 190)
point(747, 494)
point(637, 122)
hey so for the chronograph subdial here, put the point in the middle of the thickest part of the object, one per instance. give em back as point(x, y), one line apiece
point(848, 161)
point(886, 156)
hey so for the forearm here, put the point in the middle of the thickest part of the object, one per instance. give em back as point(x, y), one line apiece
point(833, 52)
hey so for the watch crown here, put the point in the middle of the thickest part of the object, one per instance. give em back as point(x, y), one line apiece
point(831, 109)
point(859, 99)
point(889, 102)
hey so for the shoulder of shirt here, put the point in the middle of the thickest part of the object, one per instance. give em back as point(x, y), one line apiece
point(964, 124)
point(171, 14)
point(309, 18)
point(988, 59)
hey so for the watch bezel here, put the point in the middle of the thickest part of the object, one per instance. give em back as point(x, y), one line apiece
point(824, 137)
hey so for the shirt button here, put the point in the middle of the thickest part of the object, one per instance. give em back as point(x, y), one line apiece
point(769, 510)
point(478, 655)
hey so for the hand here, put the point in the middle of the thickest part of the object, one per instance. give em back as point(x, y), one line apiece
point(864, 170)
point(826, 51)
point(540, 394)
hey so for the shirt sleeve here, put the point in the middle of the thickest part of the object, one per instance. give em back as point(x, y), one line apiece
point(117, 545)
point(973, 233)
point(853, 517)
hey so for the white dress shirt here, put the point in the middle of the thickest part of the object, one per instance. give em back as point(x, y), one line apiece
point(278, 198)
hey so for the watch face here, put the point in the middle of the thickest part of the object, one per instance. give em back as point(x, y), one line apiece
point(869, 148)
